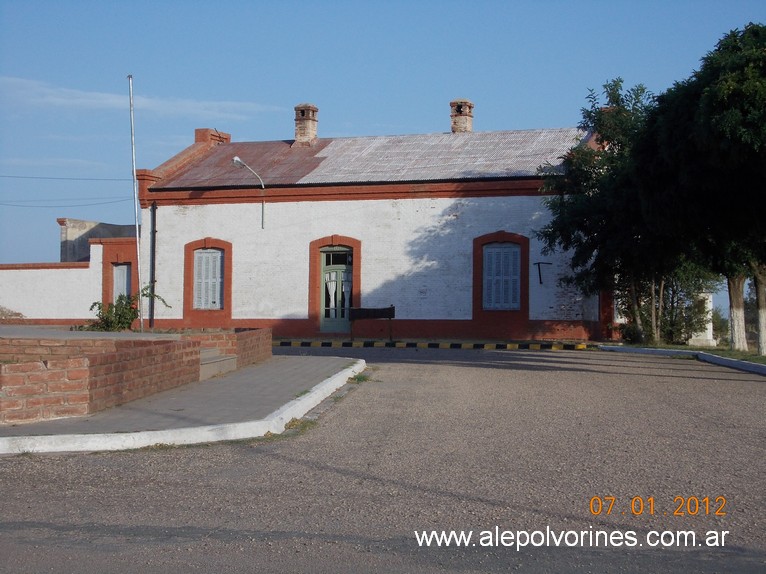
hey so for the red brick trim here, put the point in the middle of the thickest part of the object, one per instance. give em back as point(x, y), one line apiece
point(608, 329)
point(500, 324)
point(117, 251)
point(24, 266)
point(198, 318)
point(315, 272)
point(298, 193)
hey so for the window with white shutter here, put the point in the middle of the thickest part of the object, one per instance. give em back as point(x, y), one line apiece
point(208, 279)
point(120, 280)
point(502, 277)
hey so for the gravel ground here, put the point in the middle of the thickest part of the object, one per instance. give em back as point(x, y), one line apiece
point(435, 439)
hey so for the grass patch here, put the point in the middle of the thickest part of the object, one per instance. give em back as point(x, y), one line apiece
point(304, 392)
point(749, 356)
point(300, 426)
point(293, 427)
point(738, 355)
point(359, 378)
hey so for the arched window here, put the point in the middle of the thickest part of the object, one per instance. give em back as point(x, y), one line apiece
point(501, 278)
point(501, 281)
point(208, 279)
point(207, 283)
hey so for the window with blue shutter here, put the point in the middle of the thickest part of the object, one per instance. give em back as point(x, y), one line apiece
point(208, 279)
point(502, 277)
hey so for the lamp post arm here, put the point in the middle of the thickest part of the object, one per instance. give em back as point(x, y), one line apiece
point(256, 175)
point(239, 163)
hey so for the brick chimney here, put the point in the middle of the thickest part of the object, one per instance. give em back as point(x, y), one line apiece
point(461, 116)
point(305, 124)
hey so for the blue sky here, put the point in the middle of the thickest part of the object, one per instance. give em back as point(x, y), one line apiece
point(372, 68)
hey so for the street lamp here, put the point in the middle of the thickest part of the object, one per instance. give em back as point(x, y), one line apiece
point(239, 163)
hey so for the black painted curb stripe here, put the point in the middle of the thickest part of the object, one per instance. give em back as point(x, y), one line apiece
point(541, 346)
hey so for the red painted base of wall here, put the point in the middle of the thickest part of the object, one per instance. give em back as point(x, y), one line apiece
point(420, 329)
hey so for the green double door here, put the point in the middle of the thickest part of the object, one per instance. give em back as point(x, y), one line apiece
point(337, 289)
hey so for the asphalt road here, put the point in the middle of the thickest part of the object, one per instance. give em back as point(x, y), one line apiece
point(487, 441)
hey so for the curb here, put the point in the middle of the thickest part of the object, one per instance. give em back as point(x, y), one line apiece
point(746, 366)
point(273, 423)
point(434, 345)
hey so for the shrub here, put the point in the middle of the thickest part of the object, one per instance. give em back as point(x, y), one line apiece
point(119, 316)
point(632, 334)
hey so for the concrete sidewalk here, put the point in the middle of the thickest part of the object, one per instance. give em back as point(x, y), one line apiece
point(243, 404)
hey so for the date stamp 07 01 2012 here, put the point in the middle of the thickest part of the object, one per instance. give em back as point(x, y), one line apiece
point(647, 505)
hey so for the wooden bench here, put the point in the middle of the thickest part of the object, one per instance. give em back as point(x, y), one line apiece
point(362, 313)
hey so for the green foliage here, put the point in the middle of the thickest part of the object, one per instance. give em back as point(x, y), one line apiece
point(684, 316)
point(733, 104)
point(751, 313)
point(594, 201)
point(632, 334)
point(120, 315)
point(720, 326)
point(684, 311)
point(674, 300)
point(701, 160)
point(117, 316)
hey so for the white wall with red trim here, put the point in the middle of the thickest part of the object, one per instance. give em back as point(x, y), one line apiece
point(53, 291)
point(415, 254)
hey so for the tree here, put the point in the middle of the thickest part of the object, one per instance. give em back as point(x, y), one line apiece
point(685, 312)
point(595, 205)
point(701, 164)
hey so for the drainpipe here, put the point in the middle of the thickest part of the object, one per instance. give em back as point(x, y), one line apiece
point(152, 263)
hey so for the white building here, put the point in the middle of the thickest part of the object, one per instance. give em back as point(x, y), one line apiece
point(441, 226)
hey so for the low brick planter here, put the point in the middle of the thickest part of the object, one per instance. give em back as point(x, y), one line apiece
point(62, 378)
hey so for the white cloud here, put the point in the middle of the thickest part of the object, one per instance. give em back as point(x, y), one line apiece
point(37, 163)
point(20, 92)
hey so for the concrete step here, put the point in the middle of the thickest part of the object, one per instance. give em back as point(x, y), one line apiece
point(213, 364)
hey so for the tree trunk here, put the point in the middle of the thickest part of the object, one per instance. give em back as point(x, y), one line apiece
point(635, 306)
point(655, 329)
point(660, 308)
point(736, 285)
point(759, 281)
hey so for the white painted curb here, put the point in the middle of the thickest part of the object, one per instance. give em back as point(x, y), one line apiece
point(700, 355)
point(733, 363)
point(274, 423)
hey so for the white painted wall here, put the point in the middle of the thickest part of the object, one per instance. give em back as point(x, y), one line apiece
point(416, 254)
point(53, 293)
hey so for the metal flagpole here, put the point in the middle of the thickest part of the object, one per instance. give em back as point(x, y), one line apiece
point(135, 205)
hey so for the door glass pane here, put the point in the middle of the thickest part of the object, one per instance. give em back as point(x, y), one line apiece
point(337, 289)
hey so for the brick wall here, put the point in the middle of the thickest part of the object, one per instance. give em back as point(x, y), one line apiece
point(56, 388)
point(21, 350)
point(140, 368)
point(253, 346)
point(57, 378)
point(250, 346)
point(37, 390)
point(224, 341)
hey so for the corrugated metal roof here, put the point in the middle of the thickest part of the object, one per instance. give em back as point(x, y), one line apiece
point(429, 157)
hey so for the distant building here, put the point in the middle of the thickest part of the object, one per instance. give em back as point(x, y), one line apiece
point(77, 233)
